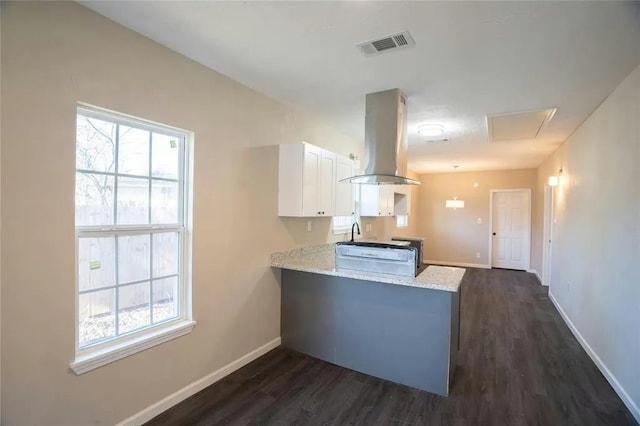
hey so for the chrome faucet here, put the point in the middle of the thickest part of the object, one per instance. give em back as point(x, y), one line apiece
point(357, 226)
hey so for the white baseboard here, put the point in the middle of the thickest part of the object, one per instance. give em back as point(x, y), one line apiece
point(462, 265)
point(613, 381)
point(534, 272)
point(184, 393)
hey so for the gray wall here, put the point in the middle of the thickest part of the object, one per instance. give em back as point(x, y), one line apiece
point(405, 334)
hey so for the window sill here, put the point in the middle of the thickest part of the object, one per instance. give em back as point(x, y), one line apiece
point(91, 361)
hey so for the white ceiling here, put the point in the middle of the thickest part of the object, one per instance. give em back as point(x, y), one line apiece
point(471, 59)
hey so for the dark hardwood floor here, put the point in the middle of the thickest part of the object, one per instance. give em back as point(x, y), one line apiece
point(518, 365)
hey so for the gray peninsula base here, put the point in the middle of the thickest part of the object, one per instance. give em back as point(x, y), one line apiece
point(404, 334)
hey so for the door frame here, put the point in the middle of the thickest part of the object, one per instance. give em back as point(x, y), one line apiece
point(527, 191)
point(547, 235)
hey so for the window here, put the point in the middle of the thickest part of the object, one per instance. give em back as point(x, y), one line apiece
point(342, 224)
point(402, 220)
point(132, 233)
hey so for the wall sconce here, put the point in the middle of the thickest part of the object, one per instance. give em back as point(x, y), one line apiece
point(356, 161)
point(554, 180)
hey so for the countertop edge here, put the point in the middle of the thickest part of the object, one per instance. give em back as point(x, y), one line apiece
point(381, 278)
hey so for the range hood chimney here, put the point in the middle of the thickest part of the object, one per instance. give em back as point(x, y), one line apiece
point(385, 140)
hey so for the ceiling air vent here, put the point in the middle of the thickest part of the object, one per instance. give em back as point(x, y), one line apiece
point(391, 42)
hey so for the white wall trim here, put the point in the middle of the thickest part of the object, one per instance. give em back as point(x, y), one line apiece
point(460, 264)
point(613, 381)
point(534, 272)
point(159, 407)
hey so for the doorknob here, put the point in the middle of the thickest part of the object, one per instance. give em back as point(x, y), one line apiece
point(494, 233)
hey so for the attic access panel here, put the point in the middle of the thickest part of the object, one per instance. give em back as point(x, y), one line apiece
point(518, 126)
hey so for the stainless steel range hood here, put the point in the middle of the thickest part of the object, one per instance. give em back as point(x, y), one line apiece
point(385, 140)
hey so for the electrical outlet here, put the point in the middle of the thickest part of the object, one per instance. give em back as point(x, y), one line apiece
point(309, 226)
point(368, 227)
point(477, 255)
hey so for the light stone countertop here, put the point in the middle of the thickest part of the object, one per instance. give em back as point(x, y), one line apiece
point(320, 259)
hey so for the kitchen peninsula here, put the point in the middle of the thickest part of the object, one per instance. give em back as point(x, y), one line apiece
point(399, 328)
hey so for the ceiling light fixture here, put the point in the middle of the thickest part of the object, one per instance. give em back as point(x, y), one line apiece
point(454, 203)
point(431, 130)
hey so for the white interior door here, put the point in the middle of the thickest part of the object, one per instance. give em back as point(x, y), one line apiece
point(511, 229)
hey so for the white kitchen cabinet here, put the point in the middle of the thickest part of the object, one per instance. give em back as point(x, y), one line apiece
point(402, 199)
point(376, 200)
point(306, 181)
point(384, 200)
point(345, 203)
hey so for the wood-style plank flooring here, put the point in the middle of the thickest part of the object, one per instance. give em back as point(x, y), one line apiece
point(518, 365)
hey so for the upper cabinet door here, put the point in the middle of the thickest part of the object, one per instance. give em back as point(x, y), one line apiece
point(376, 200)
point(345, 205)
point(402, 200)
point(311, 182)
point(306, 181)
point(369, 202)
point(327, 184)
point(387, 199)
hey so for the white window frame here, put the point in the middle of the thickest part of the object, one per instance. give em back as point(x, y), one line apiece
point(109, 350)
point(343, 224)
point(402, 221)
point(343, 228)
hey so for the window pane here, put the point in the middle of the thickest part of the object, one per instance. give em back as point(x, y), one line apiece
point(128, 279)
point(164, 202)
point(165, 156)
point(97, 316)
point(165, 253)
point(95, 144)
point(96, 263)
point(133, 201)
point(165, 299)
point(133, 151)
point(134, 311)
point(94, 199)
point(133, 258)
